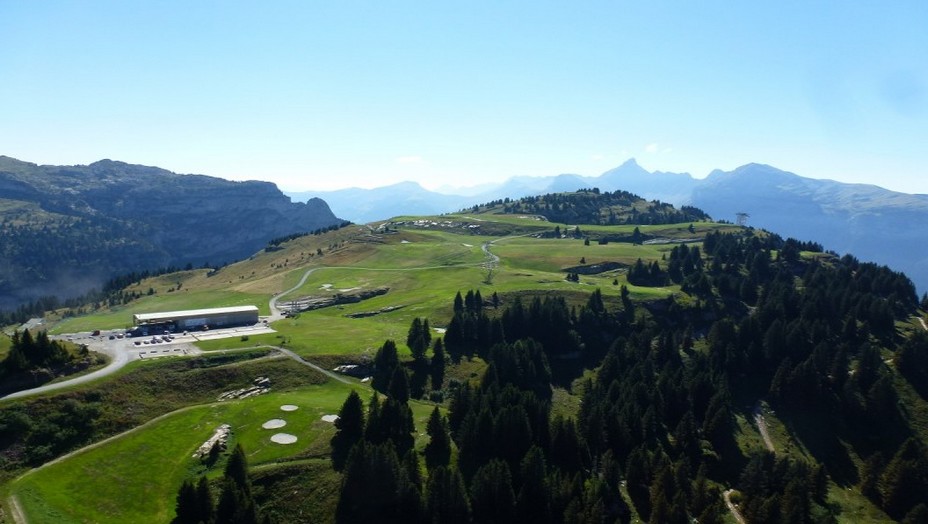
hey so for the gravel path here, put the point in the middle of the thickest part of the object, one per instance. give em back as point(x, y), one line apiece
point(732, 508)
point(762, 427)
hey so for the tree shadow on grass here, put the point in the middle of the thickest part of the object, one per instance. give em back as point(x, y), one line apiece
point(820, 436)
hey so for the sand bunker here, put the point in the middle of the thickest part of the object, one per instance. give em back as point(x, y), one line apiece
point(289, 407)
point(283, 438)
point(330, 418)
point(274, 424)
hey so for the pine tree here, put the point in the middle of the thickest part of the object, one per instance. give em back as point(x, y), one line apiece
point(187, 508)
point(205, 508)
point(235, 501)
point(376, 487)
point(385, 362)
point(399, 385)
point(437, 365)
point(447, 498)
point(349, 429)
point(438, 450)
point(418, 338)
point(533, 498)
point(237, 468)
point(492, 498)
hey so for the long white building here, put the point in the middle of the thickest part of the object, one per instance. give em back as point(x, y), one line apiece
point(197, 318)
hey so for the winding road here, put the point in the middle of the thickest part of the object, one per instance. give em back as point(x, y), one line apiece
point(118, 360)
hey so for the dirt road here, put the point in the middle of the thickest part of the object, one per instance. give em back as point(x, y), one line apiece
point(762, 427)
point(732, 508)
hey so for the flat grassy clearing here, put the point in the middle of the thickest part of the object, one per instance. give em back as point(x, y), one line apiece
point(415, 249)
point(136, 475)
point(555, 255)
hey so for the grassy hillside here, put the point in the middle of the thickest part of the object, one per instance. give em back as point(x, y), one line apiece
point(424, 262)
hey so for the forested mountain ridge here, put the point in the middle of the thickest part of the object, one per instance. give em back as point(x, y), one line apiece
point(67, 229)
point(761, 319)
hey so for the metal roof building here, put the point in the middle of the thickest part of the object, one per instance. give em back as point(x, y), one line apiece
point(196, 318)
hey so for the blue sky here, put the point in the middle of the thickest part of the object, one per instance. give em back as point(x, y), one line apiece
point(322, 95)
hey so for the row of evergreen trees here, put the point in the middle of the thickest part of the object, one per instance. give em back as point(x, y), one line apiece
point(28, 353)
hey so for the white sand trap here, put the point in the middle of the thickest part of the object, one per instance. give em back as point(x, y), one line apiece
point(467, 245)
point(274, 423)
point(289, 407)
point(283, 438)
point(330, 418)
point(326, 286)
point(405, 242)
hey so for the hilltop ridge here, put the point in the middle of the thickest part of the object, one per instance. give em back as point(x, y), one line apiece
point(68, 229)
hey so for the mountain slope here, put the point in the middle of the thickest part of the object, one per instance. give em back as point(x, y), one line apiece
point(874, 223)
point(67, 229)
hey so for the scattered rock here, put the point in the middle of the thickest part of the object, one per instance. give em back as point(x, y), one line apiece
point(595, 269)
point(311, 303)
point(353, 370)
point(261, 385)
point(364, 314)
point(220, 438)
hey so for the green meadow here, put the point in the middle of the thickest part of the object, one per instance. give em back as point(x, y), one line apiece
point(134, 477)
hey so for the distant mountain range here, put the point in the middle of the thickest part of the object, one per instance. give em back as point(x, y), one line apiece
point(872, 223)
point(68, 229)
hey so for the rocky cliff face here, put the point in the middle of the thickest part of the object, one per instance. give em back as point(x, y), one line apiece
point(111, 217)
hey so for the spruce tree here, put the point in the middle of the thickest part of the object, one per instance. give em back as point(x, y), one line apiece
point(438, 450)
point(205, 508)
point(437, 365)
point(534, 495)
point(492, 498)
point(447, 498)
point(349, 429)
point(385, 362)
point(186, 507)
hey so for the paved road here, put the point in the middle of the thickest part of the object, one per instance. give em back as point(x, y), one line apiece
point(122, 351)
point(118, 360)
point(272, 304)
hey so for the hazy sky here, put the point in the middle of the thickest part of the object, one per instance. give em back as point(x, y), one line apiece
point(322, 95)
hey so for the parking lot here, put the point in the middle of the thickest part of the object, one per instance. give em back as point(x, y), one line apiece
point(116, 344)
